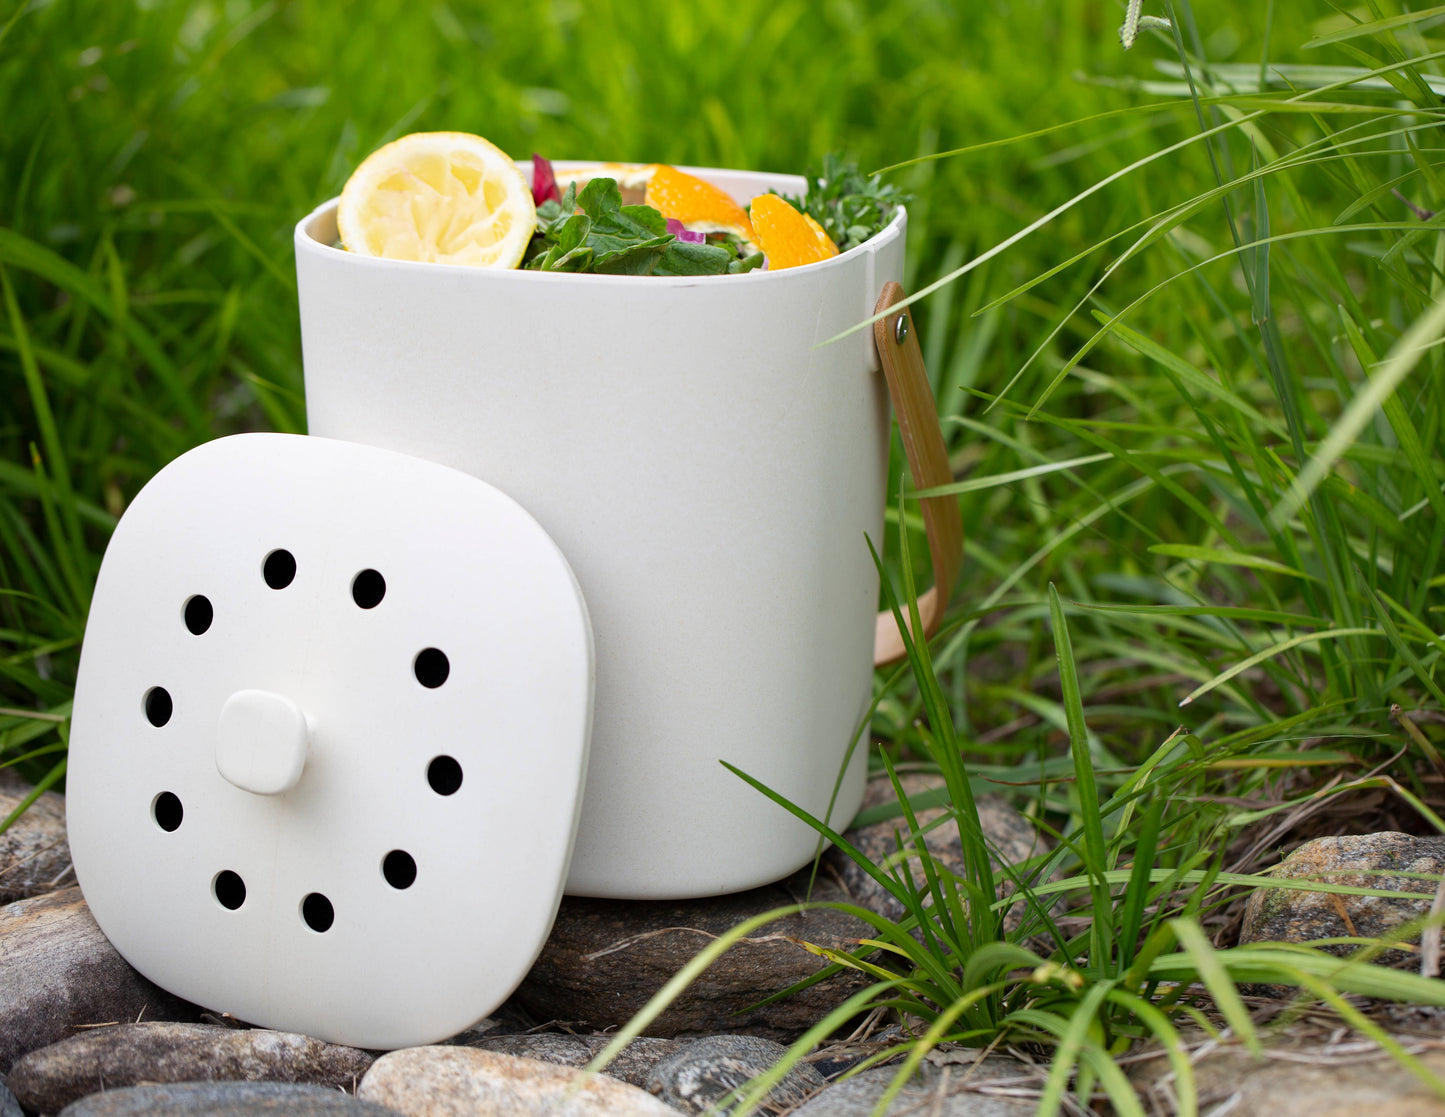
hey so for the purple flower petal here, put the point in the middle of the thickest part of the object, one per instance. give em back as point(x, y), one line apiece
point(544, 182)
point(682, 233)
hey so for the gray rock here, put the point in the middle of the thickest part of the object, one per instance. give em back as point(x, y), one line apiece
point(1284, 915)
point(224, 1099)
point(58, 971)
point(465, 1082)
point(1297, 1080)
point(632, 1065)
point(130, 1054)
point(34, 855)
point(1014, 837)
point(702, 1073)
point(606, 958)
point(9, 1106)
point(939, 1088)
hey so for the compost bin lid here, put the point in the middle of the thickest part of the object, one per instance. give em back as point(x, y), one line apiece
point(329, 738)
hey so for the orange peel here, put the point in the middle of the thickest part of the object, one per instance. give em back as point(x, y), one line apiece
point(789, 238)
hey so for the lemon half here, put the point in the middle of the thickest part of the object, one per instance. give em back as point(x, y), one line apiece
point(441, 197)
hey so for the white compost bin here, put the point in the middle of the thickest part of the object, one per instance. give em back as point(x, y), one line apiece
point(710, 464)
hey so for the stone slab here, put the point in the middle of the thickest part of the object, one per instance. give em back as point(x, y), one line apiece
point(133, 1054)
point(59, 972)
point(224, 1099)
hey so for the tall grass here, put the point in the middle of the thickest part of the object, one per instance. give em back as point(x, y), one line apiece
point(156, 154)
point(1265, 480)
point(1184, 320)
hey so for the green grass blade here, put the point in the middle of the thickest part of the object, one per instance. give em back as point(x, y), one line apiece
point(684, 977)
point(1272, 651)
point(1081, 1019)
point(1090, 820)
point(49, 780)
point(1225, 558)
point(1399, 363)
point(1216, 978)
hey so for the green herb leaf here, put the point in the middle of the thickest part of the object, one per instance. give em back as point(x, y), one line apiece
point(619, 229)
point(552, 210)
point(610, 238)
point(746, 263)
point(568, 250)
point(682, 258)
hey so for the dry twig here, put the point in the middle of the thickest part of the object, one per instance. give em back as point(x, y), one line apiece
point(1430, 936)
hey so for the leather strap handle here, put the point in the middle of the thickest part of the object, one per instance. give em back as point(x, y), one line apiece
point(917, 412)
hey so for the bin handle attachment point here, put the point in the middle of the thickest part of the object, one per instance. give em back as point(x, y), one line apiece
point(922, 436)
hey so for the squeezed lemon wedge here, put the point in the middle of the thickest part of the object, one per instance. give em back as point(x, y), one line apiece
point(439, 197)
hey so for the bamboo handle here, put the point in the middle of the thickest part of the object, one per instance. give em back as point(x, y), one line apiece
point(928, 462)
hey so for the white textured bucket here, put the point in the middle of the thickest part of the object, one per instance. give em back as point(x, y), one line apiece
point(710, 471)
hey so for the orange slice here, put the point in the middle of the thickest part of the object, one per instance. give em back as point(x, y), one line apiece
point(788, 238)
point(699, 205)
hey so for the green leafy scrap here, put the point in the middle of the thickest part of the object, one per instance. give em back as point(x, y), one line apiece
point(559, 244)
point(623, 236)
point(592, 231)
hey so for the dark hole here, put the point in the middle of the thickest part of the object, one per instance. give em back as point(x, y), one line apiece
point(431, 667)
point(168, 813)
point(444, 774)
point(230, 889)
point(158, 706)
point(368, 588)
point(399, 869)
point(279, 569)
point(199, 614)
point(316, 909)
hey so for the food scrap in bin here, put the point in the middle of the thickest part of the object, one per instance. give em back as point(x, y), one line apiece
point(455, 198)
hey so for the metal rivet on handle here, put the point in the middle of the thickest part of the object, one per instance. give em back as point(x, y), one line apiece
point(900, 331)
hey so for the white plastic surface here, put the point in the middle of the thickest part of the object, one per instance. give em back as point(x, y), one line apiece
point(300, 734)
point(710, 469)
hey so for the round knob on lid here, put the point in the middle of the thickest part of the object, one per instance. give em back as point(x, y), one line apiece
point(261, 742)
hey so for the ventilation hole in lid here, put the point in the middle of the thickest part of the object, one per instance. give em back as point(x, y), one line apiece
point(318, 913)
point(399, 869)
point(166, 809)
point(230, 889)
point(279, 569)
point(199, 613)
point(431, 667)
point(444, 774)
point(158, 706)
point(368, 588)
